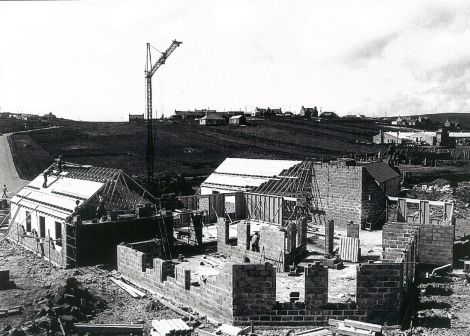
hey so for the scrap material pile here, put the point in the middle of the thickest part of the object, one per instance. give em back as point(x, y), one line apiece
point(442, 190)
point(57, 312)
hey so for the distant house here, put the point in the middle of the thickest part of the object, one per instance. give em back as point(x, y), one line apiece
point(136, 117)
point(460, 138)
point(420, 138)
point(212, 119)
point(192, 114)
point(398, 122)
point(307, 112)
point(392, 137)
point(30, 117)
point(233, 113)
point(237, 120)
point(329, 115)
point(49, 116)
point(452, 124)
point(266, 112)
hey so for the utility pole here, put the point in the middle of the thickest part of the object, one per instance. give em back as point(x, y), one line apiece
point(149, 72)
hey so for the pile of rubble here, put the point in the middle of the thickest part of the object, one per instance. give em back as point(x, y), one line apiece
point(443, 190)
point(59, 310)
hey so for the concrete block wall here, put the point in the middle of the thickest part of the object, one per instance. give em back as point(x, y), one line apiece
point(272, 242)
point(212, 296)
point(246, 292)
point(316, 286)
point(340, 189)
point(436, 244)
point(395, 239)
point(223, 231)
point(254, 289)
point(272, 245)
point(243, 235)
point(380, 290)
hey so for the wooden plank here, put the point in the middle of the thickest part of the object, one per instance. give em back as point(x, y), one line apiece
point(351, 331)
point(322, 331)
point(363, 325)
point(130, 292)
point(109, 328)
point(133, 289)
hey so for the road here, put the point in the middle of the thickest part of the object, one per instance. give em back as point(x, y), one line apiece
point(8, 174)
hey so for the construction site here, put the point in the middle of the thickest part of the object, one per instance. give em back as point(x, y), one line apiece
point(267, 244)
point(295, 246)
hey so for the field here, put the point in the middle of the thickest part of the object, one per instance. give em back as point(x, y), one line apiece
point(187, 148)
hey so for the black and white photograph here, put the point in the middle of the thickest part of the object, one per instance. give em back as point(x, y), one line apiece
point(234, 167)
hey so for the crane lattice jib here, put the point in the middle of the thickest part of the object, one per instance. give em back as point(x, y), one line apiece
point(175, 44)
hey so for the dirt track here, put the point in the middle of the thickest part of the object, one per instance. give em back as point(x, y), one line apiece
point(8, 174)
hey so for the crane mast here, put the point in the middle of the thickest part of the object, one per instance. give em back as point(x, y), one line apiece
point(149, 72)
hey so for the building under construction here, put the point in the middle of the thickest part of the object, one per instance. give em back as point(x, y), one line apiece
point(74, 215)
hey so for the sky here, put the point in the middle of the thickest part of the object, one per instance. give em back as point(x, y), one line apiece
point(85, 59)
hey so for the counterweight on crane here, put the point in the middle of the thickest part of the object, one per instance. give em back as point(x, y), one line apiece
point(149, 71)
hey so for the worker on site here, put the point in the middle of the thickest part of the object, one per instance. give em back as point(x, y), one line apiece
point(100, 210)
point(197, 225)
point(76, 211)
point(59, 163)
point(255, 242)
point(5, 190)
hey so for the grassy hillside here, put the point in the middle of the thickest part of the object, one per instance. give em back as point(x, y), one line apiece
point(192, 149)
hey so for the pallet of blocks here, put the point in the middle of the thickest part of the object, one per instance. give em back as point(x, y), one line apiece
point(356, 328)
point(173, 327)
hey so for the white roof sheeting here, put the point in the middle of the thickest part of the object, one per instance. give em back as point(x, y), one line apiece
point(459, 134)
point(58, 197)
point(75, 188)
point(244, 174)
point(52, 200)
point(33, 206)
point(233, 180)
point(254, 167)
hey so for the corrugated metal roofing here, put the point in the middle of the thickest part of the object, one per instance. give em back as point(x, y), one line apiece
point(381, 171)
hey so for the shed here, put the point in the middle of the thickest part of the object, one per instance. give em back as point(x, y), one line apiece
point(212, 120)
point(385, 176)
point(237, 120)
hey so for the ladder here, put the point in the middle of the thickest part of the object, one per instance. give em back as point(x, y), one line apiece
point(71, 245)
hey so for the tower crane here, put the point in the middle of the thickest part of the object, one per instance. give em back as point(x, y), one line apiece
point(149, 72)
